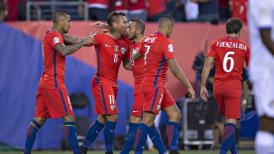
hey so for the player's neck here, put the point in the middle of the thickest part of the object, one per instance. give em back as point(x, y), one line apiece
point(162, 31)
point(115, 34)
point(138, 39)
point(233, 35)
point(55, 28)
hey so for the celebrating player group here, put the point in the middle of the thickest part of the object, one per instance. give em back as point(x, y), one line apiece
point(149, 58)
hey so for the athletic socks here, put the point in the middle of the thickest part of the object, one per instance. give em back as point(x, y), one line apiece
point(156, 139)
point(172, 135)
point(31, 135)
point(228, 138)
point(71, 135)
point(141, 138)
point(130, 138)
point(93, 131)
point(109, 136)
point(264, 142)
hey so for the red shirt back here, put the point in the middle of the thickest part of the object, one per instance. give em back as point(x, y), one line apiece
point(230, 54)
point(54, 62)
point(239, 9)
point(138, 67)
point(157, 49)
point(109, 54)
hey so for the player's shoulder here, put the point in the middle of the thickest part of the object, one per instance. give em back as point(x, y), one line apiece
point(52, 35)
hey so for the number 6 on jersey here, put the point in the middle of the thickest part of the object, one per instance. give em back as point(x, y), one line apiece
point(225, 61)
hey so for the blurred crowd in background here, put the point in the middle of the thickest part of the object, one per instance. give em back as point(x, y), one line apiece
point(213, 11)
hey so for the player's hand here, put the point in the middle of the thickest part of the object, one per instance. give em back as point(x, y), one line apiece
point(191, 93)
point(204, 94)
point(87, 41)
point(99, 24)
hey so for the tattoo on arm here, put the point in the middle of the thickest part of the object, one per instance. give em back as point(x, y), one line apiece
point(67, 50)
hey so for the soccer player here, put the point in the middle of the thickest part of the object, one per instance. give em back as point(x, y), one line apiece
point(135, 33)
point(158, 55)
point(229, 54)
point(111, 50)
point(261, 26)
point(52, 99)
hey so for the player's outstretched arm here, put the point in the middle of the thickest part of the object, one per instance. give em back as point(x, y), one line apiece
point(73, 39)
point(70, 39)
point(267, 40)
point(206, 70)
point(69, 49)
point(179, 74)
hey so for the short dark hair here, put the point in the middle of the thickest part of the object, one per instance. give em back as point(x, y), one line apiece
point(58, 14)
point(139, 24)
point(113, 17)
point(233, 26)
point(164, 19)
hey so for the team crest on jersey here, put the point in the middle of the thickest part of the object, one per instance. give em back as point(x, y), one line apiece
point(56, 40)
point(123, 50)
point(112, 107)
point(116, 48)
point(170, 48)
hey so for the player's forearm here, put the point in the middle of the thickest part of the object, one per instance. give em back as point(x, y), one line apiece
point(180, 75)
point(73, 39)
point(205, 73)
point(67, 50)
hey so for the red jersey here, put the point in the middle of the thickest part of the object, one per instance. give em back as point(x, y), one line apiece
point(109, 54)
point(229, 53)
point(157, 49)
point(138, 67)
point(54, 62)
point(239, 9)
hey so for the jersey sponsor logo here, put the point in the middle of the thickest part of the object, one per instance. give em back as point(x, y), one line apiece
point(123, 50)
point(134, 111)
point(170, 48)
point(56, 40)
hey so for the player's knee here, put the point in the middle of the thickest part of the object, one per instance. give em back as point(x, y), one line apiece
point(112, 118)
point(101, 119)
point(70, 118)
point(135, 120)
point(40, 121)
point(175, 116)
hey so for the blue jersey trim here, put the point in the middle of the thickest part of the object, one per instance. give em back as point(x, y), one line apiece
point(154, 99)
point(98, 65)
point(55, 68)
point(104, 100)
point(63, 101)
point(159, 70)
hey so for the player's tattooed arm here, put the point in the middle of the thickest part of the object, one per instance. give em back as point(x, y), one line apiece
point(69, 49)
point(267, 40)
point(127, 64)
point(70, 39)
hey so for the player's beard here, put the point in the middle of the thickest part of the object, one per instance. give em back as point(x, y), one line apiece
point(133, 37)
